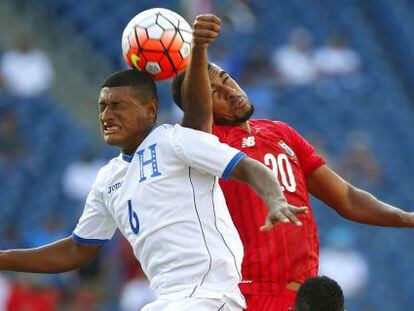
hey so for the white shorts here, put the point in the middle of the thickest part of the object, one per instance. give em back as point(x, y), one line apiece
point(192, 304)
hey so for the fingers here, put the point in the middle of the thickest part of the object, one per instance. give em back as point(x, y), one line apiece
point(208, 18)
point(285, 214)
point(267, 226)
point(206, 25)
point(293, 218)
point(204, 34)
point(298, 210)
point(206, 28)
point(272, 220)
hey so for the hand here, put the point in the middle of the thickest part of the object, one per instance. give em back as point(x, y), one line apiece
point(284, 213)
point(205, 30)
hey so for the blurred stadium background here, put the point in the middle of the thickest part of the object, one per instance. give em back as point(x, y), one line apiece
point(352, 98)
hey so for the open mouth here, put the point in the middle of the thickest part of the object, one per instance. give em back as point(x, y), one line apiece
point(110, 129)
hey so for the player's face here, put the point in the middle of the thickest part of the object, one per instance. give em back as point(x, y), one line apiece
point(125, 120)
point(231, 105)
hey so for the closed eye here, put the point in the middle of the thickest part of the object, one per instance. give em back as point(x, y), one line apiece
point(225, 79)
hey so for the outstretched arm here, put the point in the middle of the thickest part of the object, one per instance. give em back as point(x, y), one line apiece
point(61, 256)
point(353, 203)
point(264, 182)
point(196, 89)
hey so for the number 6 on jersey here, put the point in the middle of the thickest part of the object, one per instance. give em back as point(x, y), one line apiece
point(133, 218)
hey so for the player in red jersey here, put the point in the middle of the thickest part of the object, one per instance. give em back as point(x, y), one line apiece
point(278, 261)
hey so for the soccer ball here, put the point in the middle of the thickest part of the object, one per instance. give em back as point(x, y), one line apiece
point(158, 42)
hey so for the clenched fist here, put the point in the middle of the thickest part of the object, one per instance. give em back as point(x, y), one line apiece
point(206, 28)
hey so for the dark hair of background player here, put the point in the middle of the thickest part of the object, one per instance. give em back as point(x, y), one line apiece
point(319, 294)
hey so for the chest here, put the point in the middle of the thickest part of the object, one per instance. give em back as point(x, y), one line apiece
point(273, 150)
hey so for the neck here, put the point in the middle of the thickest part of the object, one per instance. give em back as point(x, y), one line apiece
point(130, 149)
point(246, 126)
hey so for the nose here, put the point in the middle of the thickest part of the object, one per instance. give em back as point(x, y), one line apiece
point(106, 114)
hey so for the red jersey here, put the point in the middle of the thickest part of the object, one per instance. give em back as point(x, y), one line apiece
point(286, 253)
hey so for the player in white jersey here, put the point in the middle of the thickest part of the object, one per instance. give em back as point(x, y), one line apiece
point(162, 193)
point(166, 201)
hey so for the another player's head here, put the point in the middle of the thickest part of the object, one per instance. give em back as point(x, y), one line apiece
point(231, 105)
point(319, 294)
point(128, 104)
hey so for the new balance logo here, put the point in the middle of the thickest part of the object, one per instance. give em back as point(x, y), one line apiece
point(248, 142)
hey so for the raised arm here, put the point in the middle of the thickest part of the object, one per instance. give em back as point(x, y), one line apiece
point(353, 203)
point(264, 182)
point(196, 89)
point(61, 256)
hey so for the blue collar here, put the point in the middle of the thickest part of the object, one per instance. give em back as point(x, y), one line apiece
point(127, 158)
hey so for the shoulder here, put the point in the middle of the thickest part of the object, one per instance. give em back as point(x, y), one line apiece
point(108, 170)
point(160, 130)
point(159, 134)
point(181, 130)
point(271, 124)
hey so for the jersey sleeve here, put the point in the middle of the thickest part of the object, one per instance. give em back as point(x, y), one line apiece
point(308, 158)
point(96, 225)
point(204, 152)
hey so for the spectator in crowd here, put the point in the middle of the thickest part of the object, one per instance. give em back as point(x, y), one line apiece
point(136, 293)
point(293, 61)
point(353, 273)
point(359, 164)
point(79, 177)
point(26, 71)
point(319, 294)
point(27, 293)
point(10, 237)
point(49, 231)
point(336, 59)
point(191, 8)
point(12, 145)
point(240, 15)
point(4, 292)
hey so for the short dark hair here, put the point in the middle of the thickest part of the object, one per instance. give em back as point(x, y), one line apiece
point(319, 294)
point(176, 86)
point(142, 83)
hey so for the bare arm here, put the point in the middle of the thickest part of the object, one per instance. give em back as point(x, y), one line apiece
point(264, 182)
point(196, 89)
point(61, 256)
point(355, 204)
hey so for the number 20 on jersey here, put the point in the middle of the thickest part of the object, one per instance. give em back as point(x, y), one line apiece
point(281, 166)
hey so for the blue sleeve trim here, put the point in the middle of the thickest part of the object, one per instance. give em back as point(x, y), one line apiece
point(88, 241)
point(232, 164)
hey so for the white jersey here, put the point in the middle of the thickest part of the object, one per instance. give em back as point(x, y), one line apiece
point(167, 202)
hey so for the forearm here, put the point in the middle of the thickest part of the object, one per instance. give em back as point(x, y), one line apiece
point(263, 181)
point(196, 92)
point(363, 207)
point(57, 257)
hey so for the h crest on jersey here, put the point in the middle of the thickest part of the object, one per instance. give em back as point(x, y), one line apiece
point(248, 142)
point(287, 149)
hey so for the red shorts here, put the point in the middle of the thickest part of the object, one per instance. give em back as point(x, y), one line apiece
point(282, 302)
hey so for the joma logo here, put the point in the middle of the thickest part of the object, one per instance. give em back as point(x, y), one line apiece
point(114, 187)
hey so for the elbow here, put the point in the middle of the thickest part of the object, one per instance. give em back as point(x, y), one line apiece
point(346, 205)
point(84, 263)
point(78, 263)
point(351, 207)
point(82, 255)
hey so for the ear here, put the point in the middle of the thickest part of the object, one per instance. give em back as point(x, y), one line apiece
point(152, 109)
